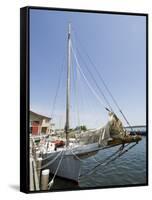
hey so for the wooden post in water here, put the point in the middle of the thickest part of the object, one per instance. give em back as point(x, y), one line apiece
point(36, 180)
point(38, 165)
point(45, 179)
point(31, 175)
point(37, 153)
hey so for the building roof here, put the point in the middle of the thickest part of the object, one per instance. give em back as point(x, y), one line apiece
point(39, 116)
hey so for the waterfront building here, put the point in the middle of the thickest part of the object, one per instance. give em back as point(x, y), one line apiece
point(39, 124)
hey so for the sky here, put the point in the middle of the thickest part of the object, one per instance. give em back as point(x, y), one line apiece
point(116, 44)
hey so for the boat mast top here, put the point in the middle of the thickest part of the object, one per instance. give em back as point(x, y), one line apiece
point(68, 85)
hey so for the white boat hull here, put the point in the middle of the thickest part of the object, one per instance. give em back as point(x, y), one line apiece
point(69, 169)
point(71, 163)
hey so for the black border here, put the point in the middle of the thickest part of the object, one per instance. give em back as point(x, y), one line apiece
point(24, 95)
point(24, 99)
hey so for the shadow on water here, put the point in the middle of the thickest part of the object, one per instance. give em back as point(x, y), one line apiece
point(61, 184)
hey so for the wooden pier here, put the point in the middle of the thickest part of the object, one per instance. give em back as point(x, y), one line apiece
point(34, 181)
point(38, 178)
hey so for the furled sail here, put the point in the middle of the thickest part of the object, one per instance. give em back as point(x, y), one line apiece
point(112, 130)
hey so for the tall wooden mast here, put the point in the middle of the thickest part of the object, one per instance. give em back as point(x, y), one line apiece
point(68, 86)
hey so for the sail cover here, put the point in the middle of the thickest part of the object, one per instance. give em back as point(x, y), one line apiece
point(112, 130)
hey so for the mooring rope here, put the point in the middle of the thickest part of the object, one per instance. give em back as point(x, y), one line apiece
point(52, 161)
point(52, 180)
point(76, 156)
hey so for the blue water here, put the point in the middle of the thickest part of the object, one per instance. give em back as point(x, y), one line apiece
point(126, 170)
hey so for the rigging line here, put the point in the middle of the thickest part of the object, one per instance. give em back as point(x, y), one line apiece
point(99, 89)
point(95, 158)
point(81, 91)
point(82, 100)
point(108, 162)
point(121, 153)
point(57, 90)
point(106, 87)
point(60, 161)
point(76, 95)
point(76, 156)
point(80, 70)
point(51, 161)
point(116, 152)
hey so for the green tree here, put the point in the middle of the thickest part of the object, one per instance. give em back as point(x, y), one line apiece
point(82, 127)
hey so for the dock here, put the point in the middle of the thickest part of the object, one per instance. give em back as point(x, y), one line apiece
point(38, 178)
point(34, 181)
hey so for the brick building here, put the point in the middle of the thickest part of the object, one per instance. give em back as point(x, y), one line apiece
point(39, 124)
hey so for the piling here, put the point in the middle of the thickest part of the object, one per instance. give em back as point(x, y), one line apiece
point(45, 179)
point(34, 182)
point(31, 175)
point(39, 164)
point(37, 154)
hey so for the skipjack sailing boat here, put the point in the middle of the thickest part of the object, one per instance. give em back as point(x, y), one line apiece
point(66, 161)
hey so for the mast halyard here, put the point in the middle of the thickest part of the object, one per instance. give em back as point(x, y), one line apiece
point(68, 86)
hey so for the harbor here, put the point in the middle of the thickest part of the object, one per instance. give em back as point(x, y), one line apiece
point(41, 177)
point(99, 178)
point(90, 129)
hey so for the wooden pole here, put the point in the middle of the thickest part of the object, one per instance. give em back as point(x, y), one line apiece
point(36, 180)
point(37, 153)
point(39, 164)
point(31, 175)
point(68, 87)
point(45, 179)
